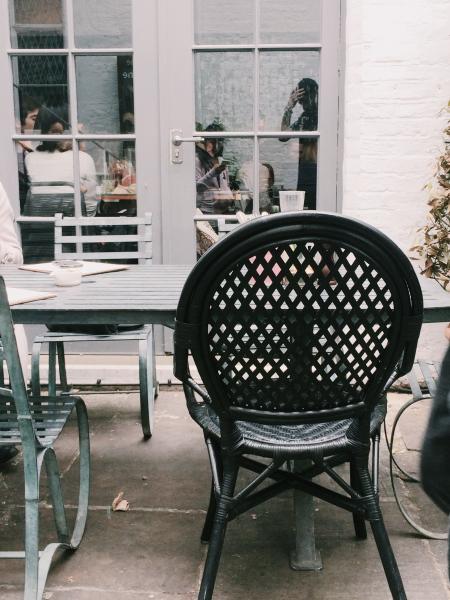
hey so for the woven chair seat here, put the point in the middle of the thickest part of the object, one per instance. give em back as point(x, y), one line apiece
point(329, 436)
point(49, 415)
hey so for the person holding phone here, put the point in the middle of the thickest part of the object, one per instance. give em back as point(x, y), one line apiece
point(306, 95)
point(214, 195)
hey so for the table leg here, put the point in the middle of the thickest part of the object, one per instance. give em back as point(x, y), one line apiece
point(305, 556)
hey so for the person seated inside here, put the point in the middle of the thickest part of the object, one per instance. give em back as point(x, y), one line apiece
point(52, 161)
point(214, 195)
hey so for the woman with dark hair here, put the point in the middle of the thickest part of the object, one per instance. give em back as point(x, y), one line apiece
point(53, 160)
point(306, 93)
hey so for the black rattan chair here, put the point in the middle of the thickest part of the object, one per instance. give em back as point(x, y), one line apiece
point(297, 323)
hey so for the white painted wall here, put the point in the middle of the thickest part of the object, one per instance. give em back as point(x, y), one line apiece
point(397, 81)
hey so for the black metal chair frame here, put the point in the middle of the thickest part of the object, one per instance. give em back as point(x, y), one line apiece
point(297, 323)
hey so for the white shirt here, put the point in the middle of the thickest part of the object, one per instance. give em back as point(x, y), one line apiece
point(43, 167)
point(10, 249)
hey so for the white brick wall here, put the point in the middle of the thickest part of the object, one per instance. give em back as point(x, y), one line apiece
point(397, 81)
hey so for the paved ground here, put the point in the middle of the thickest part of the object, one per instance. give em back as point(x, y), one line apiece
point(153, 551)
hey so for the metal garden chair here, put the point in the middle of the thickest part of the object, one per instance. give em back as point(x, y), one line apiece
point(94, 234)
point(35, 423)
point(297, 323)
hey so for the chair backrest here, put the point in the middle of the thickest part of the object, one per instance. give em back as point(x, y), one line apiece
point(45, 199)
point(299, 317)
point(14, 408)
point(104, 238)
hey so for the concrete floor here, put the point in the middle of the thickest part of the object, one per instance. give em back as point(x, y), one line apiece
point(153, 551)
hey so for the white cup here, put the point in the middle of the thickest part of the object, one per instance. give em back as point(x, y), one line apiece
point(291, 200)
point(67, 273)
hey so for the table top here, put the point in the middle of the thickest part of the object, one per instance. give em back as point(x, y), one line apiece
point(140, 294)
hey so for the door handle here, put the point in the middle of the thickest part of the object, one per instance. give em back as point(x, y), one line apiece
point(176, 141)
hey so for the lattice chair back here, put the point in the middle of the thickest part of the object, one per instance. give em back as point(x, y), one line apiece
point(299, 317)
point(104, 238)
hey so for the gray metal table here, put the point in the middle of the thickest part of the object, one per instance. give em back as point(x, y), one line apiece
point(140, 294)
point(149, 294)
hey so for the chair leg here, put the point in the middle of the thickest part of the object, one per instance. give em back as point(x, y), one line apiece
point(359, 521)
point(207, 527)
point(35, 369)
point(31, 475)
point(52, 369)
point(54, 482)
point(218, 530)
point(209, 520)
point(62, 366)
point(155, 379)
point(146, 393)
point(379, 531)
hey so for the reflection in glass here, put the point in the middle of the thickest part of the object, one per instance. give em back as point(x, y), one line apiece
point(219, 164)
point(280, 75)
point(51, 175)
point(224, 21)
point(38, 80)
point(115, 168)
point(294, 163)
point(224, 89)
point(290, 21)
point(266, 186)
point(36, 24)
point(102, 24)
point(105, 94)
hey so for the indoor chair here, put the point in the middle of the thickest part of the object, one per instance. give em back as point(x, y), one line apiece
point(93, 235)
point(45, 199)
point(297, 324)
point(35, 423)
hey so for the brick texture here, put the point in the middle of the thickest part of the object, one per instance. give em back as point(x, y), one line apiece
point(397, 82)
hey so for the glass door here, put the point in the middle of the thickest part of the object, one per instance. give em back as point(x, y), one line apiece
point(253, 85)
point(73, 95)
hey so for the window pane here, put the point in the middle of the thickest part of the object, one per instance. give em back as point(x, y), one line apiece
point(294, 165)
point(102, 24)
point(281, 105)
point(40, 81)
point(224, 90)
point(36, 24)
point(105, 94)
point(224, 21)
point(290, 21)
point(220, 173)
point(115, 169)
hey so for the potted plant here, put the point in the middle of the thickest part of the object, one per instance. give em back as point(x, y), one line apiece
point(433, 250)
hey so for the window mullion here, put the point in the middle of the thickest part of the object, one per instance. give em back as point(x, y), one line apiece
point(71, 75)
point(256, 112)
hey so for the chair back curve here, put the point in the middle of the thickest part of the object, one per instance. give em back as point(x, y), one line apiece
point(299, 317)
